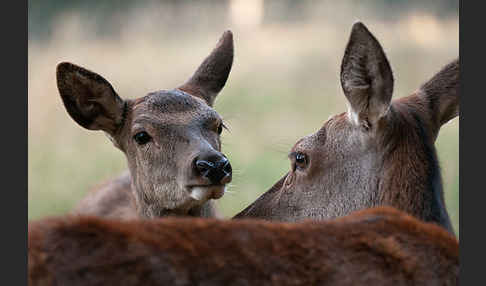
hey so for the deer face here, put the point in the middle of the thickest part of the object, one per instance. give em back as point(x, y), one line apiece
point(377, 153)
point(173, 149)
point(334, 169)
point(171, 138)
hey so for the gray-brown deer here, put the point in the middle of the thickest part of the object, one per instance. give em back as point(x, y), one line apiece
point(379, 152)
point(171, 139)
point(380, 246)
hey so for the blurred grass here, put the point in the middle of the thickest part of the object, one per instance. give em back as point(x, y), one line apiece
point(284, 84)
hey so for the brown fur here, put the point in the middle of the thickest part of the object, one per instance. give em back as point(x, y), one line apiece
point(380, 152)
point(183, 128)
point(380, 246)
point(112, 199)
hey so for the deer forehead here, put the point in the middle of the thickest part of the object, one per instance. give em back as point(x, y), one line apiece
point(333, 132)
point(172, 107)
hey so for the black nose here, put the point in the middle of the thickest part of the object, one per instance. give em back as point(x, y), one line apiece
point(216, 168)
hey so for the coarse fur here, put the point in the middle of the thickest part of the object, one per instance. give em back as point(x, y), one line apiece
point(380, 246)
point(379, 152)
point(182, 128)
point(111, 199)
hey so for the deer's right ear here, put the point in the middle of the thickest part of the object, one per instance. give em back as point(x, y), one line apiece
point(366, 77)
point(211, 76)
point(89, 98)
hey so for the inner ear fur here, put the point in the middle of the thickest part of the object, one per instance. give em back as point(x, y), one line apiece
point(366, 76)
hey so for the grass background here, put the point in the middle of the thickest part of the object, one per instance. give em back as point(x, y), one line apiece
point(284, 83)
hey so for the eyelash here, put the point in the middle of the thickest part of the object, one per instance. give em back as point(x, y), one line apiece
point(221, 126)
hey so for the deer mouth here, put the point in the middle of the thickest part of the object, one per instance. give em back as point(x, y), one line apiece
point(203, 193)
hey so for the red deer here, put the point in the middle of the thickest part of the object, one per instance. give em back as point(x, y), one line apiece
point(379, 246)
point(379, 152)
point(171, 139)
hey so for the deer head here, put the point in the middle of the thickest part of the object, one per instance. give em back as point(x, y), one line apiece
point(171, 138)
point(379, 152)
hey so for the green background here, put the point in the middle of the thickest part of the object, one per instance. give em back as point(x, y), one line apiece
point(284, 83)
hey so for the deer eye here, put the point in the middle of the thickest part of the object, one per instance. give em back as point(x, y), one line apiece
point(220, 128)
point(142, 138)
point(300, 160)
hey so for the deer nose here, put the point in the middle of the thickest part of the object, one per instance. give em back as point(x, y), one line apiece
point(216, 168)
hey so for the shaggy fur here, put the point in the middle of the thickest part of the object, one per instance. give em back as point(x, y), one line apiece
point(380, 246)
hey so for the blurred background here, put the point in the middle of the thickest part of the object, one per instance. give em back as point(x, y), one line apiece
point(284, 83)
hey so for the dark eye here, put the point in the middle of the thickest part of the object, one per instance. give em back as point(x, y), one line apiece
point(142, 138)
point(220, 128)
point(300, 160)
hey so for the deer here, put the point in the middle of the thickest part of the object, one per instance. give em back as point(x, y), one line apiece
point(378, 152)
point(376, 246)
point(170, 138)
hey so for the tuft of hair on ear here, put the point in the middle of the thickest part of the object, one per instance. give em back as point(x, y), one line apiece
point(211, 76)
point(366, 76)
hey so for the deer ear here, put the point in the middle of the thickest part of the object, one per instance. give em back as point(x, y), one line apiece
point(366, 77)
point(442, 94)
point(211, 76)
point(89, 98)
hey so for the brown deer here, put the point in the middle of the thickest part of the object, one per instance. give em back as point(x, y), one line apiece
point(379, 152)
point(171, 139)
point(380, 246)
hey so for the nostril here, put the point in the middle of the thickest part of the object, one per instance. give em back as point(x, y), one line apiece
point(226, 173)
point(215, 167)
point(204, 167)
point(227, 167)
point(204, 164)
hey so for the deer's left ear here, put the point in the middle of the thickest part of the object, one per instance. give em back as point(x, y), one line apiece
point(210, 78)
point(366, 77)
point(442, 94)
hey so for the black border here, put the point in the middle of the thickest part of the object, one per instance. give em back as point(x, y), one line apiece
point(471, 120)
point(13, 24)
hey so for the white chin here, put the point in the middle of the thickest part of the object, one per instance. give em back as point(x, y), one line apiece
point(206, 193)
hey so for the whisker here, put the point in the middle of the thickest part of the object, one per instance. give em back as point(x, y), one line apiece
point(231, 186)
